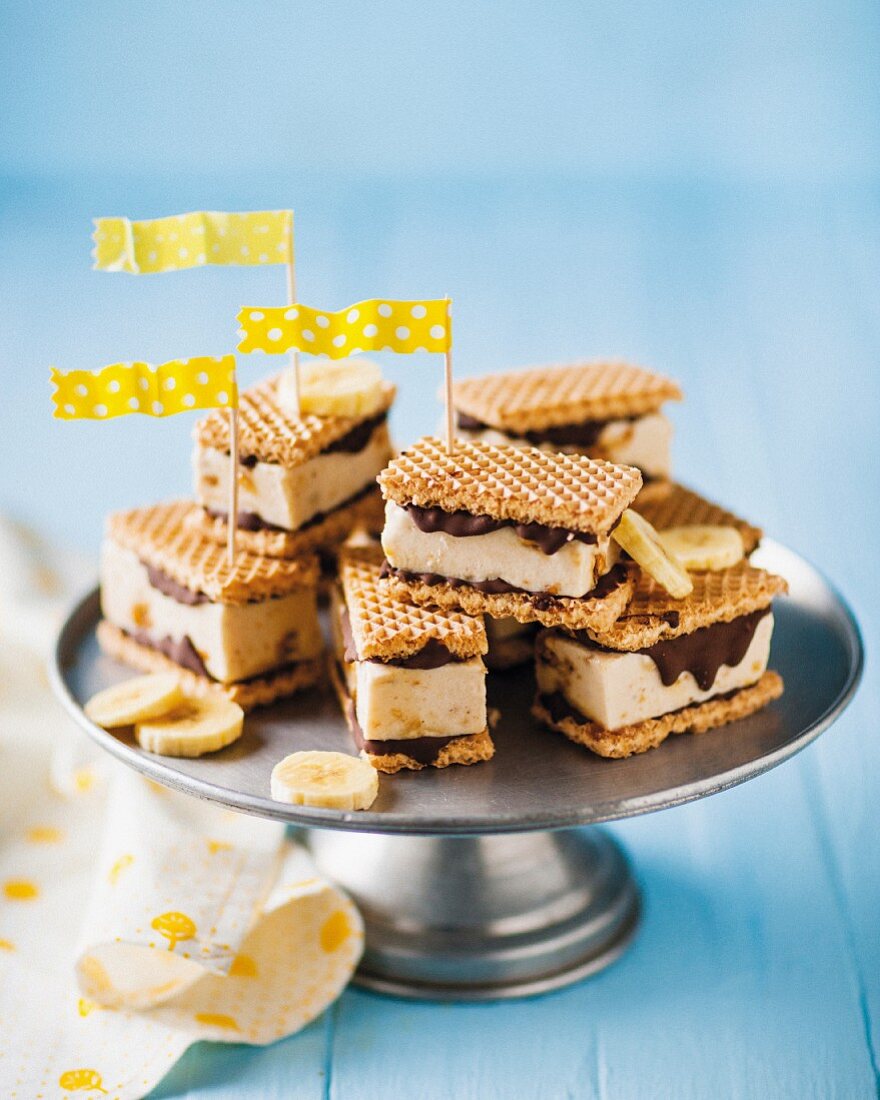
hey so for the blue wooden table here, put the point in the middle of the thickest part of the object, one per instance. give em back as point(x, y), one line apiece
point(695, 188)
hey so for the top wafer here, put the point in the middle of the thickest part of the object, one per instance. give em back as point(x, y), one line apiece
point(653, 615)
point(521, 484)
point(163, 539)
point(269, 432)
point(389, 628)
point(521, 401)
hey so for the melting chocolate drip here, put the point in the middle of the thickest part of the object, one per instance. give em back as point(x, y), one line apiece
point(466, 525)
point(433, 654)
point(354, 440)
point(585, 434)
point(541, 600)
point(168, 586)
point(425, 750)
point(181, 651)
point(704, 651)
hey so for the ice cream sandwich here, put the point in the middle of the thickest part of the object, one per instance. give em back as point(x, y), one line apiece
point(611, 411)
point(666, 666)
point(506, 531)
point(170, 600)
point(411, 680)
point(304, 482)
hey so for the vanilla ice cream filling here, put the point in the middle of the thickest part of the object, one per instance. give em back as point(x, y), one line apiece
point(616, 689)
point(234, 641)
point(499, 555)
point(288, 497)
point(644, 442)
point(393, 703)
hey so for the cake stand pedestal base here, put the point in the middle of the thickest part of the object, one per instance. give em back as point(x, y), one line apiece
point(483, 918)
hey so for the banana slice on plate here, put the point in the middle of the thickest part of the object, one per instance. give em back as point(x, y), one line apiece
point(331, 780)
point(192, 728)
point(704, 548)
point(343, 387)
point(639, 539)
point(135, 700)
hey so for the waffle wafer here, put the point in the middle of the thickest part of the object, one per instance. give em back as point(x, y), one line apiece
point(268, 432)
point(653, 615)
point(520, 401)
point(521, 484)
point(327, 533)
point(163, 537)
point(669, 504)
point(257, 692)
point(642, 736)
point(391, 629)
point(597, 611)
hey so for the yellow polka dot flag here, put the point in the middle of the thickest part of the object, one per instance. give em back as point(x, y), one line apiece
point(203, 382)
point(193, 240)
point(378, 324)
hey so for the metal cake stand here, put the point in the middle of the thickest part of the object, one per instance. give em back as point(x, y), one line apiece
point(473, 882)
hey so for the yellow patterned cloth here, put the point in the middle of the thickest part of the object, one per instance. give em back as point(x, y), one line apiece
point(193, 240)
point(203, 382)
point(134, 921)
point(378, 324)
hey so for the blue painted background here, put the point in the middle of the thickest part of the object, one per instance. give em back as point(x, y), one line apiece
point(692, 185)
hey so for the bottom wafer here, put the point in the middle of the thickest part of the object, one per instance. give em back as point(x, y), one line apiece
point(257, 692)
point(598, 610)
point(649, 734)
point(322, 533)
point(469, 749)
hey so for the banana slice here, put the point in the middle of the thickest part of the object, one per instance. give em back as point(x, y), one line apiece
point(639, 539)
point(135, 700)
point(328, 779)
point(344, 387)
point(194, 727)
point(702, 547)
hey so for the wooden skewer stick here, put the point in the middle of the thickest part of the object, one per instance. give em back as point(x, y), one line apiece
point(447, 371)
point(291, 297)
point(232, 515)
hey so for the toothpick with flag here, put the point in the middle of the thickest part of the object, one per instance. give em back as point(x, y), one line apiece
point(377, 324)
point(198, 239)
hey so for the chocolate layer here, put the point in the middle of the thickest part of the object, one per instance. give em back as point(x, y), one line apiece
point(584, 434)
point(181, 651)
point(433, 654)
point(352, 442)
point(424, 750)
point(541, 600)
point(704, 651)
point(168, 586)
point(466, 525)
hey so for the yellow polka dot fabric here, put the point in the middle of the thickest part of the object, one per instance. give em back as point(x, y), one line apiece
point(134, 920)
point(203, 382)
point(193, 240)
point(378, 324)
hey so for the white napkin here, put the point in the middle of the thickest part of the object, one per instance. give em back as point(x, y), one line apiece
point(134, 921)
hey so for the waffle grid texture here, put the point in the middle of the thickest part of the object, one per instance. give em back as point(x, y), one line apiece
point(387, 627)
point(677, 506)
point(521, 484)
point(520, 401)
point(162, 537)
point(652, 615)
point(268, 431)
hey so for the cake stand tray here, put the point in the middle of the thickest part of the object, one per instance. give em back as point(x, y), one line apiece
point(470, 892)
